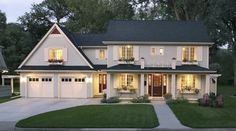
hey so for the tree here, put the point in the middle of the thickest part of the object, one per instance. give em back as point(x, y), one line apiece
point(223, 17)
point(42, 16)
point(93, 15)
point(17, 44)
point(2, 24)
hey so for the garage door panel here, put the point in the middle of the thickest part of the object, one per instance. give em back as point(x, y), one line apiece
point(40, 87)
point(73, 87)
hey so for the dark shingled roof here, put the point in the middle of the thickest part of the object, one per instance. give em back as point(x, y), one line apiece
point(144, 31)
point(187, 68)
point(157, 31)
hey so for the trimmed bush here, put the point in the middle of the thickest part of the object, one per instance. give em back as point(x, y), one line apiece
point(168, 96)
point(177, 101)
point(111, 100)
point(141, 99)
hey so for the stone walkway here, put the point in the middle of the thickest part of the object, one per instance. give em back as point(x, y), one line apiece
point(166, 117)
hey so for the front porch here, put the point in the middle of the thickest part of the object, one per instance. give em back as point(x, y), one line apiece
point(156, 85)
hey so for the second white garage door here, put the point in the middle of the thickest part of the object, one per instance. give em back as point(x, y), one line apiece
point(72, 87)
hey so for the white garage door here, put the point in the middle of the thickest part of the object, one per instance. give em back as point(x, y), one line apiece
point(72, 87)
point(40, 87)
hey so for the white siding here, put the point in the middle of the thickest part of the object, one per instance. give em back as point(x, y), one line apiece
point(40, 55)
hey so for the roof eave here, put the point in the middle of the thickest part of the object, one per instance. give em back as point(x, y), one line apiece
point(155, 42)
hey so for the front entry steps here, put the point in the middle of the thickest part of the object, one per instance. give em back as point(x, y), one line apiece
point(157, 98)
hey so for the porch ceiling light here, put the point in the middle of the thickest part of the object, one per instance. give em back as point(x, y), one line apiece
point(88, 80)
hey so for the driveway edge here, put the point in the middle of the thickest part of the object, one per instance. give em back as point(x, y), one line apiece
point(121, 129)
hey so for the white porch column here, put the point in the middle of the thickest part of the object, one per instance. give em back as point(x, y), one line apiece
point(12, 85)
point(3, 81)
point(89, 85)
point(109, 85)
point(173, 85)
point(207, 84)
point(141, 84)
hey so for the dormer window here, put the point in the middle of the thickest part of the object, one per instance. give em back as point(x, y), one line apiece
point(189, 54)
point(126, 53)
point(55, 55)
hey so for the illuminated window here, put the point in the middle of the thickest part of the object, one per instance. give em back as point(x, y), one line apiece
point(126, 80)
point(161, 50)
point(126, 52)
point(101, 54)
point(188, 54)
point(188, 82)
point(55, 54)
point(153, 51)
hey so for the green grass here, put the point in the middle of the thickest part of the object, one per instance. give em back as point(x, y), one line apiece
point(95, 116)
point(8, 98)
point(196, 116)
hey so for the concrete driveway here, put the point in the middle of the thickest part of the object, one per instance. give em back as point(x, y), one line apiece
point(13, 111)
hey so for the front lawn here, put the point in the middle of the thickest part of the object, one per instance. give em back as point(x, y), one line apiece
point(8, 98)
point(196, 116)
point(95, 116)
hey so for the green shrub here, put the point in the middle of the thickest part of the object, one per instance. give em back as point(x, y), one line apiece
point(177, 101)
point(168, 96)
point(141, 99)
point(111, 100)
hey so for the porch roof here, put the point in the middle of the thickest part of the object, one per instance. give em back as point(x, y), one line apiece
point(179, 69)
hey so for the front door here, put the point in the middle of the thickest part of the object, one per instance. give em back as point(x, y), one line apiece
point(102, 82)
point(156, 85)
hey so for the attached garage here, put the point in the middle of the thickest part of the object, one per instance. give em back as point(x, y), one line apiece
point(73, 87)
point(40, 87)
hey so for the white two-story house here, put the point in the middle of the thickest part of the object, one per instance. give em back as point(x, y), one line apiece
point(132, 58)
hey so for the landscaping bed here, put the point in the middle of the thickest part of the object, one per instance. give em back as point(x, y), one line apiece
point(95, 116)
point(195, 116)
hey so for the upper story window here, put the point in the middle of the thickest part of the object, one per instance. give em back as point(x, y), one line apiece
point(126, 53)
point(153, 51)
point(101, 54)
point(161, 51)
point(55, 55)
point(189, 54)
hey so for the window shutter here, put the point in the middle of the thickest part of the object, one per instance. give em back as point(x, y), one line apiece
point(64, 54)
point(199, 53)
point(105, 54)
point(136, 53)
point(97, 53)
point(46, 54)
point(179, 53)
point(115, 52)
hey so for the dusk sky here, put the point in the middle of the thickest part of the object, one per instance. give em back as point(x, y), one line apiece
point(15, 8)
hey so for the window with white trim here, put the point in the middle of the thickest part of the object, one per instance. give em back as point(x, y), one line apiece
point(161, 51)
point(55, 54)
point(188, 82)
point(189, 54)
point(126, 81)
point(101, 54)
point(153, 51)
point(126, 53)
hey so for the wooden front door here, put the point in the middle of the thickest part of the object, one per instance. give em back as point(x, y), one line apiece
point(102, 82)
point(157, 85)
